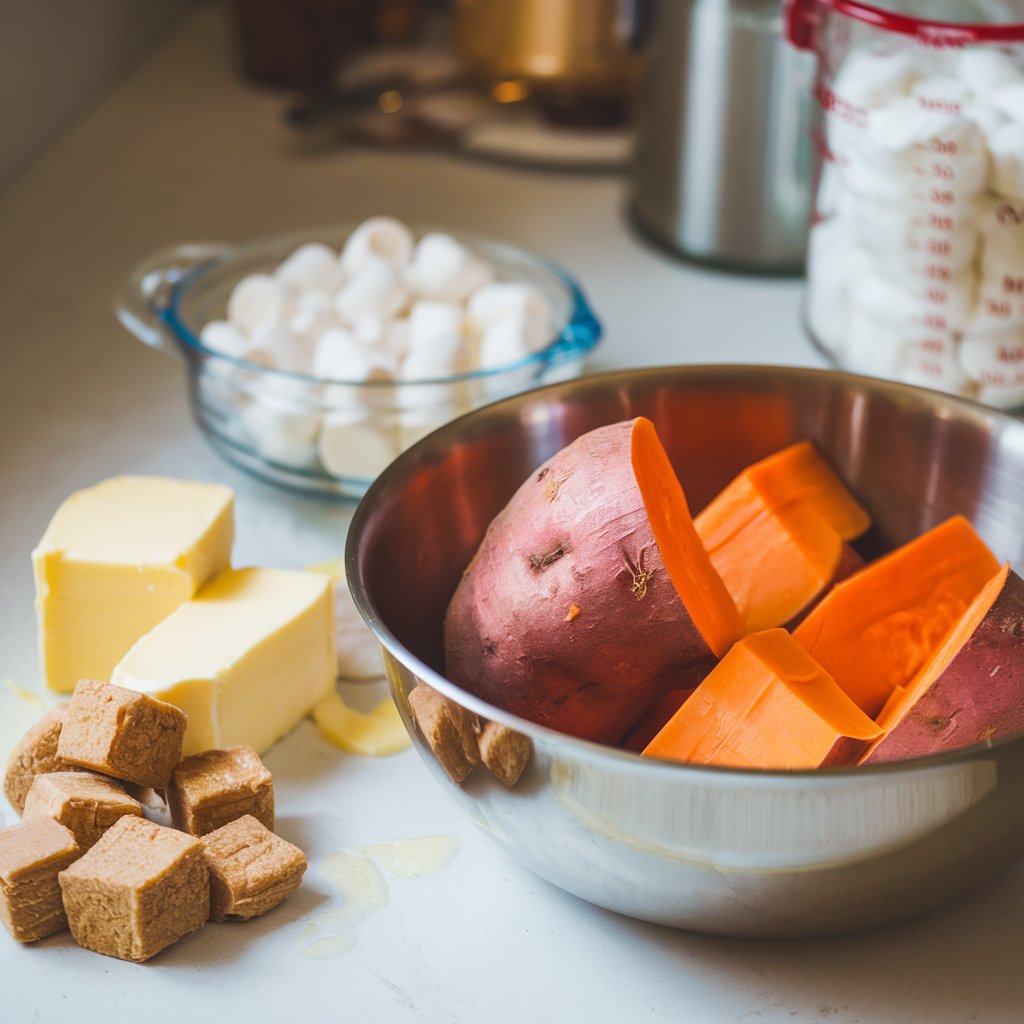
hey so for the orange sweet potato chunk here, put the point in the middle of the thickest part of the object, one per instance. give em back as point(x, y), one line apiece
point(875, 630)
point(767, 704)
point(776, 535)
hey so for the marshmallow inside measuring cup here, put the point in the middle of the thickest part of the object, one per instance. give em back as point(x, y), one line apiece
point(382, 325)
point(916, 258)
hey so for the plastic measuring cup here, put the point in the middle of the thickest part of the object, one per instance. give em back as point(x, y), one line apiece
point(915, 266)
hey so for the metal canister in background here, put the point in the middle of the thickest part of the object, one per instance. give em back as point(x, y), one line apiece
point(722, 163)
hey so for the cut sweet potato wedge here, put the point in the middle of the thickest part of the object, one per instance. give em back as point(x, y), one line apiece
point(699, 586)
point(874, 631)
point(971, 689)
point(799, 476)
point(767, 704)
point(776, 535)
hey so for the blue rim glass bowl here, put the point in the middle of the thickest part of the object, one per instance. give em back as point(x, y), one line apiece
point(169, 297)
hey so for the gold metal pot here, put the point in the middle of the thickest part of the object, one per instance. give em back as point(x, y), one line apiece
point(578, 45)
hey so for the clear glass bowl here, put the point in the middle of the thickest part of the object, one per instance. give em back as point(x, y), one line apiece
point(272, 422)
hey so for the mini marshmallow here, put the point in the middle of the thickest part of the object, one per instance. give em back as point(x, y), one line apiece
point(224, 338)
point(932, 363)
point(256, 302)
point(274, 345)
point(435, 333)
point(355, 448)
point(1010, 100)
point(378, 238)
point(1000, 305)
point(278, 436)
point(872, 346)
point(985, 69)
point(396, 340)
point(994, 360)
point(830, 190)
point(308, 324)
point(375, 287)
point(443, 268)
point(1007, 148)
point(905, 238)
point(942, 93)
point(832, 261)
point(871, 76)
point(988, 119)
point(1002, 397)
point(940, 306)
point(862, 176)
point(510, 340)
point(313, 266)
point(1002, 230)
point(370, 329)
point(340, 357)
point(507, 298)
point(940, 148)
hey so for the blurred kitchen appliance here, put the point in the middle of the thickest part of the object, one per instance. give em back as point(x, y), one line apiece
point(722, 159)
point(575, 56)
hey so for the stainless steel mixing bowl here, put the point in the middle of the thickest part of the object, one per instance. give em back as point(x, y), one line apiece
point(735, 852)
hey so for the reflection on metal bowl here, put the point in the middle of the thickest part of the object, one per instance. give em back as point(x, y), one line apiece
point(727, 851)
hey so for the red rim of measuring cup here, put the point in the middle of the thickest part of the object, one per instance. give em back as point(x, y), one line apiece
point(802, 18)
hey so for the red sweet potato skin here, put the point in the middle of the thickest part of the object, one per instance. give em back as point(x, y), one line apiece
point(979, 696)
point(566, 615)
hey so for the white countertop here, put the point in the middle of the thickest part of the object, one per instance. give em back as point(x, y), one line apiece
point(183, 151)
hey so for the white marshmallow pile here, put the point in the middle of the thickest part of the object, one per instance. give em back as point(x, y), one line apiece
point(382, 326)
point(916, 260)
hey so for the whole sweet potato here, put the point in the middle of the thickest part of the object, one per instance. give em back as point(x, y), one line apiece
point(567, 614)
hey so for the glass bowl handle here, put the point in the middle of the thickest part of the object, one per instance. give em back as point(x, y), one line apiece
point(581, 333)
point(146, 293)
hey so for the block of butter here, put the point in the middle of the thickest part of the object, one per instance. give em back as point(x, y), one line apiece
point(118, 558)
point(246, 659)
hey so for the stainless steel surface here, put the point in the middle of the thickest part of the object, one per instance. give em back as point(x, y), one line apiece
point(715, 850)
point(722, 160)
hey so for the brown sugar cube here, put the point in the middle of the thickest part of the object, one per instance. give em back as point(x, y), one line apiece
point(84, 802)
point(504, 751)
point(138, 890)
point(32, 854)
point(210, 789)
point(35, 754)
point(120, 732)
point(449, 729)
point(251, 869)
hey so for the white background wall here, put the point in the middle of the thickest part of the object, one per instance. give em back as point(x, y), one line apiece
point(57, 56)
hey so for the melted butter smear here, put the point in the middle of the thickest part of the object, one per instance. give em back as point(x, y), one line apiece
point(357, 875)
point(19, 709)
point(377, 733)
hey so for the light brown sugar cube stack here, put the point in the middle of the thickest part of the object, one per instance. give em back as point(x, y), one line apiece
point(138, 890)
point(35, 754)
point(251, 869)
point(84, 802)
point(120, 732)
point(215, 787)
point(31, 856)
